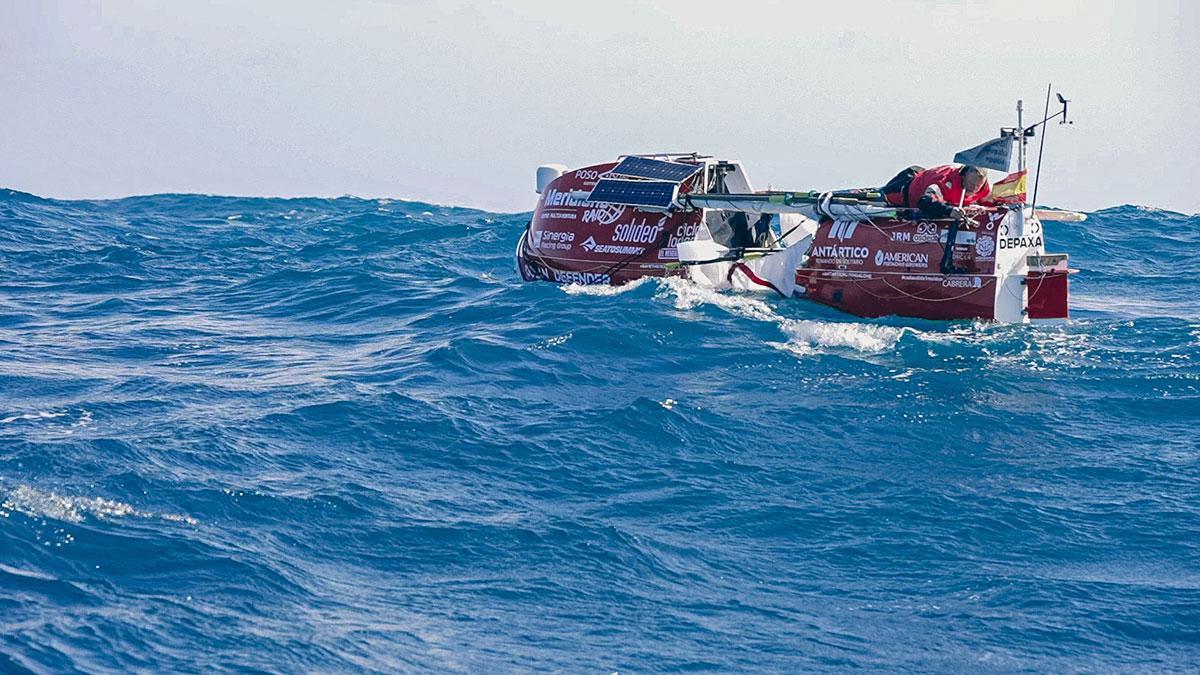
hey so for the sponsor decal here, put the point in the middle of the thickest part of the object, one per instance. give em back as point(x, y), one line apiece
point(985, 246)
point(533, 272)
point(558, 215)
point(549, 240)
point(927, 233)
point(1020, 242)
point(843, 229)
point(903, 237)
point(591, 246)
point(584, 278)
point(557, 199)
point(962, 282)
point(619, 249)
point(684, 232)
point(587, 174)
point(606, 214)
point(635, 232)
point(845, 274)
point(842, 255)
point(901, 259)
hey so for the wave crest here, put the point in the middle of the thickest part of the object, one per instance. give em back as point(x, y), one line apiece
point(37, 503)
point(805, 336)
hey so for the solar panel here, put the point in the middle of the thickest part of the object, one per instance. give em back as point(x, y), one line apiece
point(654, 169)
point(654, 194)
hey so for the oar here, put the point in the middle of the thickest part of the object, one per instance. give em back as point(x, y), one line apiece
point(1061, 216)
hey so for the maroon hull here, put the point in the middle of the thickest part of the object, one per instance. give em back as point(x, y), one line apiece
point(888, 266)
point(570, 240)
point(928, 297)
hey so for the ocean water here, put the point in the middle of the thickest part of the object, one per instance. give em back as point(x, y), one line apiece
point(342, 435)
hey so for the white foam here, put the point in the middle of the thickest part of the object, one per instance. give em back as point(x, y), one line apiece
point(857, 336)
point(43, 415)
point(550, 342)
point(602, 290)
point(689, 295)
point(84, 419)
point(805, 337)
point(37, 503)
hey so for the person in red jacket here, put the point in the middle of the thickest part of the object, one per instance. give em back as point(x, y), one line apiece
point(938, 192)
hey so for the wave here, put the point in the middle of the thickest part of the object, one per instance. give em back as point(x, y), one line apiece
point(342, 434)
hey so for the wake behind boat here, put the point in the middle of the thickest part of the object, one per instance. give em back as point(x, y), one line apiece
point(697, 216)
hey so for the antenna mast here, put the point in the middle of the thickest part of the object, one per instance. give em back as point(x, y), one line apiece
point(1021, 140)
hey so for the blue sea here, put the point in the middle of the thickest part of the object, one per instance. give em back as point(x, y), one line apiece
point(342, 435)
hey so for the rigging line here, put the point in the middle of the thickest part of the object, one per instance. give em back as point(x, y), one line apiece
point(1041, 150)
point(1045, 121)
point(889, 284)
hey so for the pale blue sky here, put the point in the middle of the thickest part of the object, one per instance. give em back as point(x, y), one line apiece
point(458, 102)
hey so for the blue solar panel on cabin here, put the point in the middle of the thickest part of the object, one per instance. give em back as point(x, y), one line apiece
point(650, 193)
point(656, 169)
